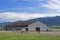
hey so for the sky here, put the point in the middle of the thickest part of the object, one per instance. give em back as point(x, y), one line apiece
point(14, 10)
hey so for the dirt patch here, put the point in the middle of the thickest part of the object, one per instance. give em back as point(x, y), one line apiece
point(51, 33)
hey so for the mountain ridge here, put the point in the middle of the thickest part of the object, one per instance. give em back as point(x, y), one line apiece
point(50, 21)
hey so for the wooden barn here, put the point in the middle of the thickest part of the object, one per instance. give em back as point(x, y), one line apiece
point(32, 26)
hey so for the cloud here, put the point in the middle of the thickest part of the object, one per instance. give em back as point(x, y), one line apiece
point(10, 16)
point(17, 16)
point(53, 4)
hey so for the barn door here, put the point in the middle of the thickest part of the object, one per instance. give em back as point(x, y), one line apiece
point(26, 29)
point(38, 29)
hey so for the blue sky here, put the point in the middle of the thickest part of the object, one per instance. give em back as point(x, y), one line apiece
point(13, 10)
point(28, 6)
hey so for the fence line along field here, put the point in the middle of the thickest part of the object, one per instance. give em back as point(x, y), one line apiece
point(26, 36)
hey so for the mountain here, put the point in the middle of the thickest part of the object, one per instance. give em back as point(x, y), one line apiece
point(50, 21)
point(5, 23)
point(8, 23)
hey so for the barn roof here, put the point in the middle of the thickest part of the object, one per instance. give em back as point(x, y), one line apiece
point(20, 24)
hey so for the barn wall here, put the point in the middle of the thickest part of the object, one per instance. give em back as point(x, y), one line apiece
point(32, 27)
point(38, 24)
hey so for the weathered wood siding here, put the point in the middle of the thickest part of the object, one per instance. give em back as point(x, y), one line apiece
point(32, 27)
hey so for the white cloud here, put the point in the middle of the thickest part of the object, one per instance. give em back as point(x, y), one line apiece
point(10, 16)
point(53, 4)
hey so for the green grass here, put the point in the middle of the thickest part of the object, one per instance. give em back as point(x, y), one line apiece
point(25, 36)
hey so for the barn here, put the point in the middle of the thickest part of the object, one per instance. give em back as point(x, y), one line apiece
point(36, 26)
point(32, 26)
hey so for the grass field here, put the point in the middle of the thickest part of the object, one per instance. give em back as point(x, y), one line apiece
point(25, 36)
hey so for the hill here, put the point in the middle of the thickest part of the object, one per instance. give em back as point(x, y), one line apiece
point(49, 21)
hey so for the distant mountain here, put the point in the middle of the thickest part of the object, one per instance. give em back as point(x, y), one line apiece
point(7, 23)
point(4, 23)
point(50, 21)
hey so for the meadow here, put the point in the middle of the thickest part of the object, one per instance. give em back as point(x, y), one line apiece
point(26, 36)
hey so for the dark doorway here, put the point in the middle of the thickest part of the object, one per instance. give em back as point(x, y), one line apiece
point(26, 29)
point(47, 30)
point(38, 29)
